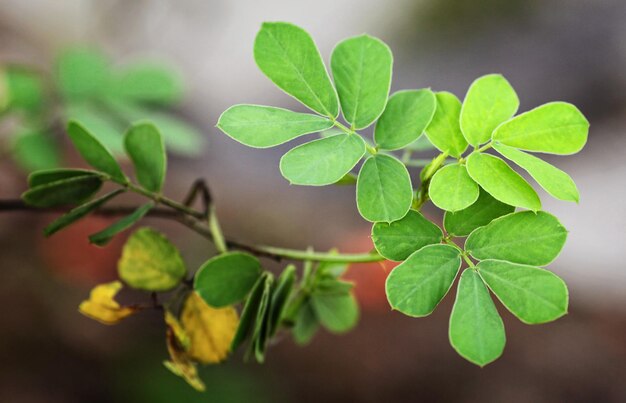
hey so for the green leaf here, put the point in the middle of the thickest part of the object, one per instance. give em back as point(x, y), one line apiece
point(257, 342)
point(525, 237)
point(82, 73)
point(34, 150)
point(306, 324)
point(280, 297)
point(330, 285)
point(100, 124)
point(151, 262)
point(532, 294)
point(502, 182)
point(383, 191)
point(399, 239)
point(452, 189)
point(417, 285)
point(490, 101)
point(94, 152)
point(444, 131)
point(323, 161)
point(476, 329)
point(556, 182)
point(103, 237)
point(79, 212)
point(338, 313)
point(144, 146)
point(249, 312)
point(47, 176)
point(74, 190)
point(482, 212)
point(405, 118)
point(556, 127)
point(361, 69)
point(347, 179)
point(266, 126)
point(287, 55)
point(149, 82)
point(227, 278)
point(24, 89)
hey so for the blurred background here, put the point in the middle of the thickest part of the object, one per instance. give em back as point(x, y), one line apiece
point(567, 50)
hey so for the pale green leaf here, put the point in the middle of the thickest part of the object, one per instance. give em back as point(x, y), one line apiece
point(336, 312)
point(144, 145)
point(287, 55)
point(361, 69)
point(150, 262)
point(556, 127)
point(405, 118)
point(383, 191)
point(266, 126)
point(444, 131)
point(452, 189)
point(532, 294)
point(148, 82)
point(476, 329)
point(23, 89)
point(399, 239)
point(94, 152)
point(502, 182)
point(323, 161)
point(490, 101)
point(82, 73)
point(524, 237)
point(556, 182)
point(417, 285)
point(227, 278)
point(482, 212)
point(34, 150)
point(103, 237)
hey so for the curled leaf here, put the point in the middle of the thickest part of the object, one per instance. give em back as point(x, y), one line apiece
point(103, 307)
point(180, 363)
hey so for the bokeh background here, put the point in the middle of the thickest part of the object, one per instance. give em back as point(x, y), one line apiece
point(566, 50)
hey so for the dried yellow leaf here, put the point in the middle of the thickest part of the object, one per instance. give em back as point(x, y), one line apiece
point(181, 336)
point(181, 364)
point(103, 307)
point(210, 330)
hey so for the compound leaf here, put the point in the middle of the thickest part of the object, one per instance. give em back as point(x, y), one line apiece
point(556, 128)
point(144, 145)
point(452, 189)
point(524, 237)
point(532, 294)
point(227, 278)
point(103, 237)
point(266, 126)
point(502, 182)
point(417, 285)
point(482, 212)
point(94, 152)
point(399, 239)
point(476, 329)
point(383, 189)
point(490, 101)
point(556, 182)
point(361, 68)
point(151, 262)
point(323, 161)
point(444, 131)
point(287, 55)
point(405, 118)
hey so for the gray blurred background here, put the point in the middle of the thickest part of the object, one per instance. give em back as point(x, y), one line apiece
point(573, 51)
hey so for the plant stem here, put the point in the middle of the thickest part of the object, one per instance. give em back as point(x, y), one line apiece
point(461, 251)
point(484, 147)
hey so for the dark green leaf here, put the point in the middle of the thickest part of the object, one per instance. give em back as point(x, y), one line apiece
point(227, 278)
point(525, 237)
point(75, 190)
point(94, 152)
point(258, 341)
point(249, 312)
point(476, 329)
point(47, 176)
point(280, 297)
point(417, 285)
point(103, 237)
point(99, 123)
point(399, 239)
point(144, 146)
point(34, 150)
point(482, 212)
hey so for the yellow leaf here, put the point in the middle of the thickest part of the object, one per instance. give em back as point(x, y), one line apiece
point(102, 305)
point(210, 330)
point(181, 336)
point(181, 364)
